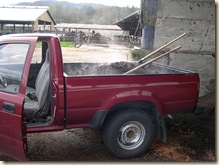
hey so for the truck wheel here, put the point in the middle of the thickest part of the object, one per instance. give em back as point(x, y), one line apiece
point(128, 134)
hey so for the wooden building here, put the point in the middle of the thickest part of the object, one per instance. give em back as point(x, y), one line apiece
point(18, 19)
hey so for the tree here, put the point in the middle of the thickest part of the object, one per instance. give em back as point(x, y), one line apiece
point(84, 13)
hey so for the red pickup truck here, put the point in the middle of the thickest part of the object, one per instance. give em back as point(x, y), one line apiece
point(40, 93)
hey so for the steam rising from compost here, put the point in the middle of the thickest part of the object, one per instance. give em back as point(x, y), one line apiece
point(116, 68)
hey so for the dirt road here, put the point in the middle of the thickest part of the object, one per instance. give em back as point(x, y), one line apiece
point(105, 53)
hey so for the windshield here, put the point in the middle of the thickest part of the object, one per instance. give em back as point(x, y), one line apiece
point(12, 61)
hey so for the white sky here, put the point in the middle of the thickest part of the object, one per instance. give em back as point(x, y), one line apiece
point(122, 3)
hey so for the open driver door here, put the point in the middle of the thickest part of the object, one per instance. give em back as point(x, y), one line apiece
point(15, 58)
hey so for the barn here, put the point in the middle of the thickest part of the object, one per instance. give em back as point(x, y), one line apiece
point(19, 19)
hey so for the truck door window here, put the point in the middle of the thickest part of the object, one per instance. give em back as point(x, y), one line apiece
point(12, 61)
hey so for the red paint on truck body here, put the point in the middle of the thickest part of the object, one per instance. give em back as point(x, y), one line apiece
point(77, 99)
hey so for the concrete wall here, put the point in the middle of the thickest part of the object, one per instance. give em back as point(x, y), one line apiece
point(197, 18)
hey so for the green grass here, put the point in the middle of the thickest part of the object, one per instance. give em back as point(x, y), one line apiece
point(39, 44)
point(63, 44)
point(137, 54)
point(67, 44)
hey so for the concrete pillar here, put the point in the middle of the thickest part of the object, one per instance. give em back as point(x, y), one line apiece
point(147, 37)
point(23, 28)
point(75, 37)
point(44, 26)
point(35, 26)
point(51, 27)
point(32, 24)
point(148, 17)
point(13, 28)
point(2, 28)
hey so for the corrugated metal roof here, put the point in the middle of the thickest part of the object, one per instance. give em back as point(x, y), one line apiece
point(87, 26)
point(21, 13)
point(130, 23)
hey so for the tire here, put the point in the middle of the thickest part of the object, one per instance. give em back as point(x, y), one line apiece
point(128, 133)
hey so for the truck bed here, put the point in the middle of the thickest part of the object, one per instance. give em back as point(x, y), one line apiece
point(118, 68)
point(93, 87)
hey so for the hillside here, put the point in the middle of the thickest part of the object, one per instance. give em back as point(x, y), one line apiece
point(89, 13)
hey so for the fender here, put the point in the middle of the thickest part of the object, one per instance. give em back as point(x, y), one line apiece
point(134, 95)
point(128, 96)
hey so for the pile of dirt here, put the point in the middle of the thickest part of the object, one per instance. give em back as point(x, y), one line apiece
point(194, 133)
point(110, 69)
point(113, 68)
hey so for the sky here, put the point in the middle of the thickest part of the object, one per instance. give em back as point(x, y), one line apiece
point(122, 3)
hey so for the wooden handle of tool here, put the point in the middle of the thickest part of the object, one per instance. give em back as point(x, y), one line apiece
point(152, 53)
point(152, 60)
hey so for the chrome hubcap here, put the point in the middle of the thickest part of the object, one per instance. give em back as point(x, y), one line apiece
point(131, 135)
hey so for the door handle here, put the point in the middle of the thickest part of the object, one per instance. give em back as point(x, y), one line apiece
point(54, 96)
point(8, 107)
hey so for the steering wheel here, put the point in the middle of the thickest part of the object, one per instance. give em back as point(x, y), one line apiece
point(3, 81)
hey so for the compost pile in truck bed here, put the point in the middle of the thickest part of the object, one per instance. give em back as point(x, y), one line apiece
point(110, 69)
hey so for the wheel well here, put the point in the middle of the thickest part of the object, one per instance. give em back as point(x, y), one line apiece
point(145, 106)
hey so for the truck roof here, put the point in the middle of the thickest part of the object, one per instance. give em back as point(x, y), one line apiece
point(30, 35)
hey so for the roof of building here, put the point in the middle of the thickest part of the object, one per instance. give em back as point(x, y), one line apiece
point(22, 14)
point(87, 26)
point(129, 23)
